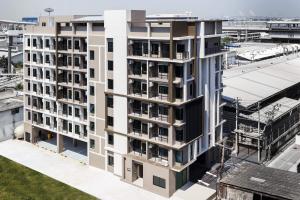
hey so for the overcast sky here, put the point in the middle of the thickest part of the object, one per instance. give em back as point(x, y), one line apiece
point(16, 9)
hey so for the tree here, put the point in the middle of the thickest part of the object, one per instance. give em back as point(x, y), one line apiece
point(3, 62)
point(19, 86)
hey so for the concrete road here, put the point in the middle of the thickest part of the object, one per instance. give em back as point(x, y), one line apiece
point(96, 182)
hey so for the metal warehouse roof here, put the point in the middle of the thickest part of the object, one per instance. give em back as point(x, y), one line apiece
point(260, 179)
point(283, 106)
point(261, 80)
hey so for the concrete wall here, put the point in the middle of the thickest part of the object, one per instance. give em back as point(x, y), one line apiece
point(9, 122)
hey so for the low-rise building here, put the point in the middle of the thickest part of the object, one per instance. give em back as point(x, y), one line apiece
point(249, 181)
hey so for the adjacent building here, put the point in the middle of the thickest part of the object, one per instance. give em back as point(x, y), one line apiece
point(252, 182)
point(137, 96)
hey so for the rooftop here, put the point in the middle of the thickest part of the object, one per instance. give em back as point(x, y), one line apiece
point(275, 182)
point(11, 103)
point(261, 80)
point(282, 106)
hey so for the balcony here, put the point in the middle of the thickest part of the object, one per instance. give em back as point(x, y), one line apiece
point(137, 88)
point(137, 70)
point(138, 148)
point(158, 154)
point(159, 134)
point(158, 92)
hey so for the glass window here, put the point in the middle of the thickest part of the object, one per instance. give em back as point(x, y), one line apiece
point(160, 182)
point(92, 55)
point(110, 102)
point(110, 65)
point(92, 108)
point(110, 84)
point(110, 45)
point(92, 90)
point(92, 144)
point(92, 126)
point(92, 73)
point(110, 160)
point(110, 139)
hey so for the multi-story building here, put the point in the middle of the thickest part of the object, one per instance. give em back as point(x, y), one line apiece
point(287, 31)
point(141, 95)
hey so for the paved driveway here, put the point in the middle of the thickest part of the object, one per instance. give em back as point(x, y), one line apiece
point(96, 182)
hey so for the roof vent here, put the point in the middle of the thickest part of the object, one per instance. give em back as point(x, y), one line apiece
point(257, 179)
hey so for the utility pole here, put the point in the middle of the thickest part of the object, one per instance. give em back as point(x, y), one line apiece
point(258, 128)
point(236, 126)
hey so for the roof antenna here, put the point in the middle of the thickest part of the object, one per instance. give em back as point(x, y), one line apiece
point(49, 11)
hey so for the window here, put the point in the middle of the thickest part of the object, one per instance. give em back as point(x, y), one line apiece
point(47, 43)
point(77, 129)
point(28, 116)
point(34, 42)
point(77, 112)
point(92, 90)
point(163, 90)
point(70, 110)
point(70, 94)
point(110, 102)
point(179, 135)
point(28, 71)
point(145, 128)
point(47, 74)
point(47, 105)
point(28, 100)
point(191, 90)
point(77, 61)
point(110, 160)
point(47, 121)
point(77, 98)
point(92, 55)
point(92, 126)
point(180, 48)
point(77, 44)
point(178, 156)
point(160, 182)
point(15, 111)
point(110, 139)
point(69, 61)
point(28, 42)
point(92, 108)
point(70, 127)
point(163, 69)
point(92, 73)
point(179, 114)
point(34, 88)
point(44, 24)
point(110, 65)
point(110, 121)
point(47, 59)
point(34, 57)
point(92, 144)
point(110, 83)
point(110, 45)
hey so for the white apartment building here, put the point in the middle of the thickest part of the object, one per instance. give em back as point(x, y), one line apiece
point(140, 96)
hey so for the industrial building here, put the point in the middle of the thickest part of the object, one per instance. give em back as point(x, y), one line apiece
point(286, 31)
point(136, 95)
point(262, 106)
point(248, 181)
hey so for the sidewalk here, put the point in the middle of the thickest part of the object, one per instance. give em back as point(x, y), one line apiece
point(96, 182)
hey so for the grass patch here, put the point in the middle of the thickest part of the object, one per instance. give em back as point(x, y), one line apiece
point(18, 182)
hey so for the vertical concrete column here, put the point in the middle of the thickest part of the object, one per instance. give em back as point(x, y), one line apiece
point(60, 143)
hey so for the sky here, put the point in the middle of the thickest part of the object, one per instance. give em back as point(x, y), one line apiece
point(16, 9)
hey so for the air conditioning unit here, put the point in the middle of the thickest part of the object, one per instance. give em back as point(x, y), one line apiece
point(130, 120)
point(130, 81)
point(151, 84)
point(130, 42)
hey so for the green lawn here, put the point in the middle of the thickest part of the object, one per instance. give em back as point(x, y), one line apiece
point(21, 183)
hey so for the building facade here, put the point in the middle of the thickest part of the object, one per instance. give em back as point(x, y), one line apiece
point(141, 95)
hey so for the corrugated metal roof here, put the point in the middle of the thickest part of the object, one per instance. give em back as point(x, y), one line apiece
point(282, 106)
point(260, 179)
point(89, 19)
point(261, 80)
